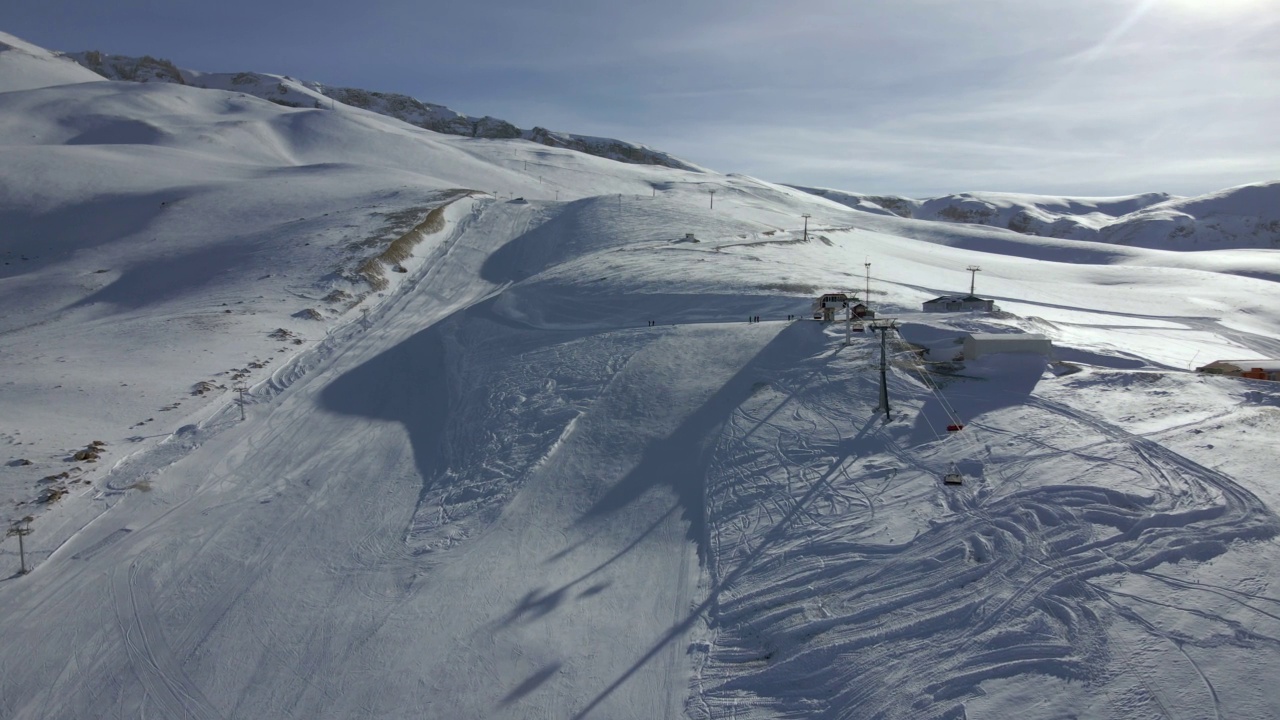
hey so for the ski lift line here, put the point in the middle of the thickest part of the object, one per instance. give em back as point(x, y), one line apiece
point(967, 439)
point(932, 389)
point(952, 414)
point(952, 475)
point(937, 393)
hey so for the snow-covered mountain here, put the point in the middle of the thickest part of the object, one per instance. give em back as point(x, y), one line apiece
point(1240, 217)
point(284, 90)
point(28, 66)
point(316, 413)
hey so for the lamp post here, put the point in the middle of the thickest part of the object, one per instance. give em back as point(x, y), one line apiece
point(867, 265)
point(22, 528)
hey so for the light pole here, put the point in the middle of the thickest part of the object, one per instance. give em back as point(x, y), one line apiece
point(22, 528)
point(867, 265)
point(806, 226)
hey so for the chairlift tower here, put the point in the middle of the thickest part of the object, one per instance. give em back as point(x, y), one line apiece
point(884, 327)
point(973, 276)
point(806, 226)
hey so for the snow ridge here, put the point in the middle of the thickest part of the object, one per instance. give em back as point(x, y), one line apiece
point(286, 91)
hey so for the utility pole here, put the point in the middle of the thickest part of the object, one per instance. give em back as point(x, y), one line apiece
point(806, 226)
point(867, 265)
point(883, 327)
point(848, 323)
point(22, 528)
point(973, 276)
point(713, 199)
point(242, 389)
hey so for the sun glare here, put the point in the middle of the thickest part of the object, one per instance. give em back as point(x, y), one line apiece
point(1216, 7)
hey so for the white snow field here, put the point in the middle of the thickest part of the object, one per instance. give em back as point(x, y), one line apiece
point(550, 470)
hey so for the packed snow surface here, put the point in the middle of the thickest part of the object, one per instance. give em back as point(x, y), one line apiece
point(515, 446)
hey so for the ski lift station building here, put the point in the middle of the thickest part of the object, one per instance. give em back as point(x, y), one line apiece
point(1253, 369)
point(828, 304)
point(958, 303)
point(977, 345)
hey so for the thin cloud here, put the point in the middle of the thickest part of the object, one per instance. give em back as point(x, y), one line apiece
point(906, 96)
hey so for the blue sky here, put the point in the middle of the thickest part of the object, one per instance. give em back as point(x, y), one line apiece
point(916, 97)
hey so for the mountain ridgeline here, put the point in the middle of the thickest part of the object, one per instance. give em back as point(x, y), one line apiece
point(289, 92)
point(1247, 216)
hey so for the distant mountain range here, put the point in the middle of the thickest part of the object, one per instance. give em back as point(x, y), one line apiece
point(290, 92)
point(1247, 216)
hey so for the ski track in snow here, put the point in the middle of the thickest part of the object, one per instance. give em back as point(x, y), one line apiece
point(816, 614)
point(502, 493)
point(515, 524)
point(240, 515)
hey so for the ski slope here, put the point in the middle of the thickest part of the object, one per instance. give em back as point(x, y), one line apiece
point(551, 470)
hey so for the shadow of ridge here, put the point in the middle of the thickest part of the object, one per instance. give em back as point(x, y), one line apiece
point(680, 460)
point(712, 601)
point(406, 384)
point(409, 384)
point(532, 683)
point(557, 239)
point(53, 235)
point(538, 604)
point(175, 275)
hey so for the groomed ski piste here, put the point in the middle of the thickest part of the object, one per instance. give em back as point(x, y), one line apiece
point(551, 470)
